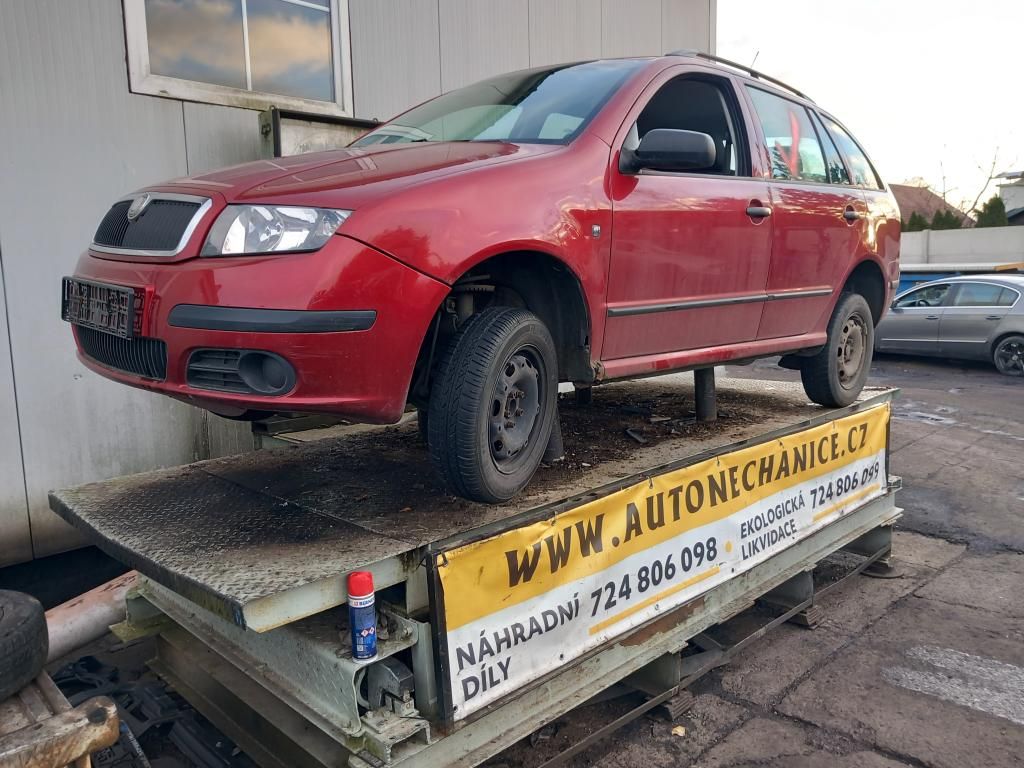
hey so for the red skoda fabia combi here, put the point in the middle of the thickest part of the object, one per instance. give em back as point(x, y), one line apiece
point(582, 223)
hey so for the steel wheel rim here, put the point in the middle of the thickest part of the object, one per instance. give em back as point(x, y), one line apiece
point(1010, 357)
point(852, 350)
point(513, 412)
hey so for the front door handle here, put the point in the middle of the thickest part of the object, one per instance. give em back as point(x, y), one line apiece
point(758, 211)
point(851, 215)
point(932, 317)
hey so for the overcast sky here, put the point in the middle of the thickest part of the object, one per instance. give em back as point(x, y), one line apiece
point(929, 87)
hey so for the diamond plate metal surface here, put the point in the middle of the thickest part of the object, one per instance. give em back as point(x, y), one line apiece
point(266, 538)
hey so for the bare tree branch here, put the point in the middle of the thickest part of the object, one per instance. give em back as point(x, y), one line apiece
point(988, 181)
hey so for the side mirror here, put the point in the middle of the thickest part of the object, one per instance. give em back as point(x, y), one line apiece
point(668, 149)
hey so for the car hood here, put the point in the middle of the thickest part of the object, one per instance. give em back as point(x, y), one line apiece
point(346, 178)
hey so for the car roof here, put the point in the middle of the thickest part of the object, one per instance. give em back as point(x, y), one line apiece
point(1014, 281)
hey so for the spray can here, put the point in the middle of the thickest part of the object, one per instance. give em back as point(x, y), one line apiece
point(362, 615)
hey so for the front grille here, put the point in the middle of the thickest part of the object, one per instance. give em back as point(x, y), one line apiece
point(217, 369)
point(159, 228)
point(139, 356)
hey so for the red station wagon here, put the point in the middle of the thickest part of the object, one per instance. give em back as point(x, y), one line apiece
point(583, 223)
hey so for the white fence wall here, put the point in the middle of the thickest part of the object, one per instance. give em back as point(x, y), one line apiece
point(988, 245)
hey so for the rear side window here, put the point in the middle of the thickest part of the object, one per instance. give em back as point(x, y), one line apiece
point(792, 144)
point(861, 171)
point(983, 295)
point(837, 173)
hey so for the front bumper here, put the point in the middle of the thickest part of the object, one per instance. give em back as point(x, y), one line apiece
point(348, 318)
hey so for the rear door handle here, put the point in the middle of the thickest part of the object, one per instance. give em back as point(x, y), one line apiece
point(993, 317)
point(851, 215)
point(758, 211)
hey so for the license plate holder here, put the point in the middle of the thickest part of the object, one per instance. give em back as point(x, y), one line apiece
point(101, 306)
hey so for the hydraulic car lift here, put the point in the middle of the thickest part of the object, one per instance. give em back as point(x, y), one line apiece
point(492, 620)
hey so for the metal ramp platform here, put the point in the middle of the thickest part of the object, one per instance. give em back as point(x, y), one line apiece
point(265, 538)
point(492, 620)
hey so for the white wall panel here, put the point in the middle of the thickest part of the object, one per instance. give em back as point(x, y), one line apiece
point(631, 28)
point(687, 24)
point(217, 136)
point(15, 538)
point(480, 38)
point(566, 30)
point(396, 57)
point(74, 139)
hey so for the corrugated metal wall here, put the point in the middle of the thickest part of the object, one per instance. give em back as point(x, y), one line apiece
point(73, 139)
point(405, 52)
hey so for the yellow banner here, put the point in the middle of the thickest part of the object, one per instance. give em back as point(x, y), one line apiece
point(525, 562)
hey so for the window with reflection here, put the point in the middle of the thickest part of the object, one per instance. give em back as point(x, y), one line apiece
point(792, 144)
point(861, 171)
point(837, 173)
point(928, 296)
point(983, 295)
point(273, 48)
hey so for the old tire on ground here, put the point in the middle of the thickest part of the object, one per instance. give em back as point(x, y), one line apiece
point(1009, 355)
point(836, 374)
point(493, 403)
point(24, 641)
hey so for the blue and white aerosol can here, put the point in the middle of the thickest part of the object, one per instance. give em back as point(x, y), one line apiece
point(362, 615)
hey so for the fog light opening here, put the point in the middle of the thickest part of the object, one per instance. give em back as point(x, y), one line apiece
point(266, 373)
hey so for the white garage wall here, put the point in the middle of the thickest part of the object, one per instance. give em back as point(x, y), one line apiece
point(73, 139)
point(15, 542)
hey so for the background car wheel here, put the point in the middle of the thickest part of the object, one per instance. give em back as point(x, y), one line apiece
point(24, 641)
point(836, 374)
point(493, 404)
point(1009, 355)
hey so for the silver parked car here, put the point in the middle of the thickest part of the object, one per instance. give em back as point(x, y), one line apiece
point(973, 317)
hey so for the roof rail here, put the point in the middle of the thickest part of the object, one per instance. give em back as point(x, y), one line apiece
point(743, 68)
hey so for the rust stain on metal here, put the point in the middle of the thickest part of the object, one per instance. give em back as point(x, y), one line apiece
point(664, 624)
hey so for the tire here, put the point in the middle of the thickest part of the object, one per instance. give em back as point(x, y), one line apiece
point(1008, 355)
point(493, 404)
point(24, 641)
point(422, 420)
point(835, 376)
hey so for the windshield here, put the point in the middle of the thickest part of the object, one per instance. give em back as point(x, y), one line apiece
point(549, 106)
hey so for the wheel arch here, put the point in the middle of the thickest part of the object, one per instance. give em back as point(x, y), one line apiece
point(550, 288)
point(1001, 338)
point(868, 280)
point(525, 277)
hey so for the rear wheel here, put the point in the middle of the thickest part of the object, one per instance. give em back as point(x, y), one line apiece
point(1009, 355)
point(835, 375)
point(493, 404)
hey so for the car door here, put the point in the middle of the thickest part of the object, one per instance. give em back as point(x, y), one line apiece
point(817, 214)
point(968, 325)
point(912, 325)
point(688, 262)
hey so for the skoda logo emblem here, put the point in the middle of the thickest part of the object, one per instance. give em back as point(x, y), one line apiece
point(138, 206)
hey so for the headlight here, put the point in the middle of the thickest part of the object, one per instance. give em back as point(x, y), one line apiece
point(252, 229)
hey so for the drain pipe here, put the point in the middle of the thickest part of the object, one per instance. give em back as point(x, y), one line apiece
point(87, 617)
